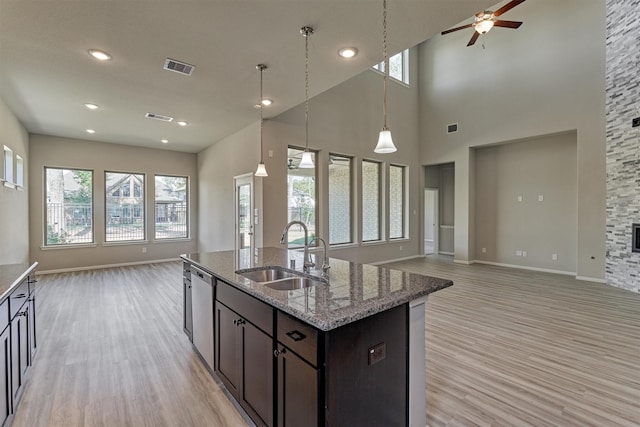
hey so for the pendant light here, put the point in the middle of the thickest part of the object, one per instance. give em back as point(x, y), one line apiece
point(261, 171)
point(307, 159)
point(385, 143)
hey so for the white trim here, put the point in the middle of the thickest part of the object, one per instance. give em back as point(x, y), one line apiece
point(460, 261)
point(97, 267)
point(173, 240)
point(396, 260)
point(68, 246)
point(125, 242)
point(591, 279)
point(448, 227)
point(445, 253)
point(524, 267)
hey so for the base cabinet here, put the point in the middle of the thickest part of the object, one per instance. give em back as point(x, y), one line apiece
point(5, 375)
point(187, 314)
point(19, 351)
point(297, 390)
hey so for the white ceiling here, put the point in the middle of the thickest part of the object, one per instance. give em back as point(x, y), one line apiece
point(46, 74)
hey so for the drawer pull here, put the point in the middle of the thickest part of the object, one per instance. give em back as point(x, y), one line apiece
point(19, 296)
point(296, 335)
point(277, 353)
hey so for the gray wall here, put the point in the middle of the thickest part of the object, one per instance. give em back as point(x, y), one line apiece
point(97, 156)
point(343, 120)
point(545, 78)
point(540, 167)
point(623, 141)
point(14, 204)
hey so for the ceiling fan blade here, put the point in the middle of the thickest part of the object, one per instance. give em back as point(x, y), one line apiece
point(457, 29)
point(474, 37)
point(507, 24)
point(506, 7)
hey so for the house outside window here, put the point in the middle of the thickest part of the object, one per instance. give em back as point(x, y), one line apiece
point(371, 200)
point(171, 207)
point(340, 196)
point(301, 197)
point(124, 214)
point(397, 201)
point(68, 206)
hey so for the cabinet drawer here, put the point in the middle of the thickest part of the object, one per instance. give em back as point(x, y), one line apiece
point(186, 270)
point(18, 297)
point(299, 337)
point(4, 315)
point(252, 309)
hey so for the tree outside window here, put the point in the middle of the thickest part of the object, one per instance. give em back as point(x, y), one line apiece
point(301, 192)
point(171, 207)
point(69, 206)
point(124, 214)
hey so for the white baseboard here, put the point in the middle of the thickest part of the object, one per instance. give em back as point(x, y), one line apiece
point(524, 267)
point(591, 279)
point(98, 267)
point(445, 253)
point(396, 260)
point(459, 261)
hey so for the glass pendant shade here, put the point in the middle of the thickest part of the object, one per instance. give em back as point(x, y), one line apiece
point(385, 143)
point(484, 26)
point(307, 161)
point(261, 171)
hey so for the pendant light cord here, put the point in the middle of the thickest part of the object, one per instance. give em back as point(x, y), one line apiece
point(385, 63)
point(262, 67)
point(306, 33)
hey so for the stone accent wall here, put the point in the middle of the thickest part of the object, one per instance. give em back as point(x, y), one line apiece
point(623, 141)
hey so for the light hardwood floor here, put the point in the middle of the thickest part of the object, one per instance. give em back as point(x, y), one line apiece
point(504, 348)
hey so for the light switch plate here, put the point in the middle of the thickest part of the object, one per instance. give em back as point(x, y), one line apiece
point(377, 353)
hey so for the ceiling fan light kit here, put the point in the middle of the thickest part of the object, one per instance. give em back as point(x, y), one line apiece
point(486, 20)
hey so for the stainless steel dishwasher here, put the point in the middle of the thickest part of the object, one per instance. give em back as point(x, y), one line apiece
point(202, 309)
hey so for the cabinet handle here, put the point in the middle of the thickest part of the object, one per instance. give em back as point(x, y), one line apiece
point(33, 281)
point(277, 352)
point(296, 335)
point(19, 296)
point(240, 322)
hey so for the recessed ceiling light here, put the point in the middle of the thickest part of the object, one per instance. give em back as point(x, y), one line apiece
point(91, 106)
point(164, 141)
point(265, 103)
point(91, 131)
point(100, 55)
point(348, 52)
point(182, 123)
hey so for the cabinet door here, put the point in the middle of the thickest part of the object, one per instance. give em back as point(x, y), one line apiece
point(257, 369)
point(31, 323)
point(19, 350)
point(5, 376)
point(227, 348)
point(297, 390)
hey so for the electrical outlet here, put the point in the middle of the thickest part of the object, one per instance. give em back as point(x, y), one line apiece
point(377, 353)
point(518, 253)
point(635, 122)
point(144, 250)
point(554, 257)
point(519, 198)
point(400, 247)
point(484, 250)
point(524, 253)
point(540, 198)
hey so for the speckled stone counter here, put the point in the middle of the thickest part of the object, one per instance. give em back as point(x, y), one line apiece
point(12, 275)
point(353, 291)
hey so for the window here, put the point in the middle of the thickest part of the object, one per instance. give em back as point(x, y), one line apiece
point(69, 206)
point(398, 66)
point(124, 215)
point(8, 166)
point(19, 171)
point(301, 196)
point(339, 199)
point(371, 201)
point(397, 204)
point(172, 211)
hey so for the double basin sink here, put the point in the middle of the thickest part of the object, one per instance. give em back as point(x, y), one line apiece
point(280, 279)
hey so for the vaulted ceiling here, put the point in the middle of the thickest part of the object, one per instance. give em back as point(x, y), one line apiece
point(47, 75)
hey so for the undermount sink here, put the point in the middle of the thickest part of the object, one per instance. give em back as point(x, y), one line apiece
point(292, 283)
point(266, 275)
point(279, 278)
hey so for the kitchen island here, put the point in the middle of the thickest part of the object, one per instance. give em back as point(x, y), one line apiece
point(348, 350)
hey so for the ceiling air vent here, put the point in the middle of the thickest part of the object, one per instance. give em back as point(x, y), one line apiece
point(158, 117)
point(178, 67)
point(452, 128)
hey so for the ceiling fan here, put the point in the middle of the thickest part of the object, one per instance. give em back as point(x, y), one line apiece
point(486, 20)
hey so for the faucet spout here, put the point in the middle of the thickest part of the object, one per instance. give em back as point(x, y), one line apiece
point(307, 260)
point(325, 260)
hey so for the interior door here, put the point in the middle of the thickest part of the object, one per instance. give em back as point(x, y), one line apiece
point(244, 212)
point(431, 222)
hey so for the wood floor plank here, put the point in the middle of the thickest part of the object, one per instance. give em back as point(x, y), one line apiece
point(505, 347)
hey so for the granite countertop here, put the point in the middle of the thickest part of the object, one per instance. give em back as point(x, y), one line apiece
point(353, 291)
point(11, 275)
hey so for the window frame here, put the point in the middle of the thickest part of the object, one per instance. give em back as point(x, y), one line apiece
point(7, 167)
point(45, 243)
point(352, 204)
point(380, 201)
point(143, 215)
point(405, 199)
point(315, 231)
point(187, 202)
point(380, 67)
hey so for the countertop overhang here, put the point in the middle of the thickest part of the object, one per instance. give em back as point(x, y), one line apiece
point(353, 291)
point(11, 275)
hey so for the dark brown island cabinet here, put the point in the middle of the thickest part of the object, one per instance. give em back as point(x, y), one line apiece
point(334, 354)
point(18, 337)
